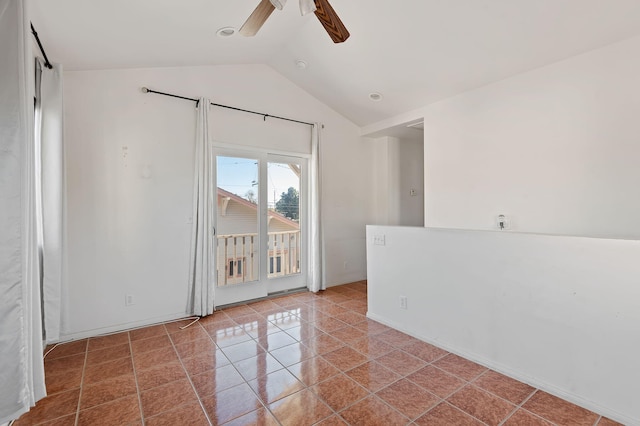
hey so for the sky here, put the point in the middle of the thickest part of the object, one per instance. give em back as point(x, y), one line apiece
point(239, 175)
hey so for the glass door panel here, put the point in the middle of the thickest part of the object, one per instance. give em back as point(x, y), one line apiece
point(286, 226)
point(283, 226)
point(237, 219)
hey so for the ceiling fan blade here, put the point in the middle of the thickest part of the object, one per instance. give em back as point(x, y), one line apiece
point(331, 22)
point(257, 18)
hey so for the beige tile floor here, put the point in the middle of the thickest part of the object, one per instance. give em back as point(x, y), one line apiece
point(301, 359)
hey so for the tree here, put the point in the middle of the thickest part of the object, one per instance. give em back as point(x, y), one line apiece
point(251, 196)
point(289, 204)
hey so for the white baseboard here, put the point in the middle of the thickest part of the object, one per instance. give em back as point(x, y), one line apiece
point(120, 327)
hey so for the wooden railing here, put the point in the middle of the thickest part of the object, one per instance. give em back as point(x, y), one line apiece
point(238, 259)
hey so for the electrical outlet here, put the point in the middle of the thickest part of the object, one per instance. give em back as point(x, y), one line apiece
point(129, 300)
point(403, 302)
point(379, 240)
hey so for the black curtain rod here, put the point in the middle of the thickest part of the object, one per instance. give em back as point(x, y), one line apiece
point(146, 90)
point(46, 60)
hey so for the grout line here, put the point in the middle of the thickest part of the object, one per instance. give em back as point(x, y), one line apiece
point(484, 373)
point(511, 413)
point(406, 377)
point(462, 411)
point(135, 376)
point(440, 401)
point(519, 406)
point(246, 382)
point(84, 368)
point(173, 345)
point(373, 394)
point(347, 406)
point(305, 386)
point(465, 384)
point(317, 306)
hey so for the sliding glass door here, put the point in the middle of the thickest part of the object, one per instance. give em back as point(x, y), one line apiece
point(286, 223)
point(260, 224)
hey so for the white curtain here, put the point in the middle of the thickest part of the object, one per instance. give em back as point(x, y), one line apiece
point(21, 363)
point(316, 274)
point(49, 134)
point(201, 274)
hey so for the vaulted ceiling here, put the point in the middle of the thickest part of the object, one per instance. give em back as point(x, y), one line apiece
point(413, 52)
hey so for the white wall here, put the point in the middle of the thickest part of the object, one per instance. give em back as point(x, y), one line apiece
point(398, 168)
point(407, 156)
point(381, 181)
point(129, 234)
point(555, 148)
point(560, 313)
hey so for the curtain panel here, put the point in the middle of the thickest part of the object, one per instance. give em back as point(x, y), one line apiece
point(316, 274)
point(21, 363)
point(201, 273)
point(49, 143)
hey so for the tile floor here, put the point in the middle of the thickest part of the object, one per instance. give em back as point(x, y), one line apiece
point(301, 359)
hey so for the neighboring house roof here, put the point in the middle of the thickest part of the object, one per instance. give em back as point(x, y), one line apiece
point(272, 213)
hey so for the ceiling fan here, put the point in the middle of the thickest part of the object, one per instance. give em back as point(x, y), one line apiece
point(323, 10)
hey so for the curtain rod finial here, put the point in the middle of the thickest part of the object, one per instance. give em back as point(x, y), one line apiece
point(144, 90)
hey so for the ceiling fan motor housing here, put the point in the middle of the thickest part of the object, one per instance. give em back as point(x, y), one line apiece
point(307, 6)
point(278, 4)
point(322, 9)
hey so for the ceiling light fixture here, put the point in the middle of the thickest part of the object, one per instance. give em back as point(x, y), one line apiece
point(301, 65)
point(226, 32)
point(375, 96)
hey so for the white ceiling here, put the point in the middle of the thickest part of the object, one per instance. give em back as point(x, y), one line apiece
point(414, 52)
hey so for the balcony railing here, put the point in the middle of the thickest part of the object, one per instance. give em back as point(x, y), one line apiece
point(238, 259)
